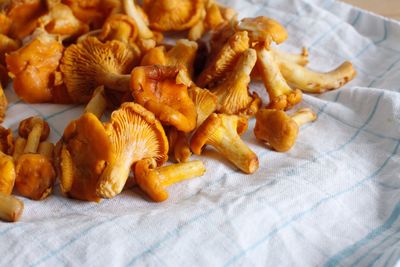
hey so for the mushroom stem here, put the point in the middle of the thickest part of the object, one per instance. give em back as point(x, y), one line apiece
point(33, 139)
point(280, 94)
point(300, 59)
point(116, 82)
point(11, 208)
point(303, 116)
point(178, 172)
point(19, 147)
point(316, 82)
point(46, 149)
point(130, 10)
point(98, 103)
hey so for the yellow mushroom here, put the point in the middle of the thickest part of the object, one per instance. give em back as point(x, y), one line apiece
point(205, 102)
point(35, 130)
point(11, 208)
point(135, 134)
point(281, 95)
point(225, 60)
point(223, 133)
point(280, 130)
point(88, 64)
point(178, 144)
point(153, 181)
point(300, 59)
point(233, 94)
point(173, 15)
point(7, 174)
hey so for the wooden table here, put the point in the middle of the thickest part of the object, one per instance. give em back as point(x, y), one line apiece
point(388, 8)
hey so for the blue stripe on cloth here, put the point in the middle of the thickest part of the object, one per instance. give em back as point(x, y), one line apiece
point(347, 252)
point(300, 215)
point(83, 233)
point(377, 42)
point(176, 230)
point(385, 72)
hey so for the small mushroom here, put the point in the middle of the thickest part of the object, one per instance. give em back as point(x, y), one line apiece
point(135, 134)
point(205, 102)
point(223, 133)
point(35, 173)
point(233, 94)
point(263, 30)
point(316, 82)
point(11, 208)
point(34, 66)
point(35, 130)
point(60, 20)
point(153, 181)
point(88, 64)
point(173, 15)
point(3, 104)
point(280, 130)
point(7, 174)
point(159, 89)
point(178, 144)
point(225, 60)
point(281, 95)
point(6, 141)
point(85, 151)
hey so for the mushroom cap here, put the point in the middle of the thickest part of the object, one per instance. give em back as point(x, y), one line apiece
point(156, 88)
point(149, 180)
point(85, 152)
point(26, 126)
point(119, 27)
point(173, 15)
point(154, 56)
point(7, 174)
point(86, 62)
point(263, 30)
point(5, 23)
point(6, 141)
point(276, 128)
point(205, 101)
point(3, 104)
point(225, 60)
point(135, 134)
point(60, 20)
point(34, 66)
point(213, 124)
point(35, 176)
point(24, 15)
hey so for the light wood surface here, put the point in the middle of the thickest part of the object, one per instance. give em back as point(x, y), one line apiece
point(387, 8)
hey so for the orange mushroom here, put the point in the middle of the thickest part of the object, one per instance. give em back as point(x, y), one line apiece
point(153, 180)
point(7, 45)
point(3, 104)
point(34, 66)
point(205, 102)
point(88, 64)
point(7, 174)
point(5, 23)
point(135, 134)
point(178, 144)
point(173, 15)
point(225, 60)
point(233, 95)
point(35, 130)
point(223, 133)
point(280, 130)
point(159, 89)
point(11, 208)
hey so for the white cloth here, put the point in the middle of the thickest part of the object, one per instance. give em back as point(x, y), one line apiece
point(334, 199)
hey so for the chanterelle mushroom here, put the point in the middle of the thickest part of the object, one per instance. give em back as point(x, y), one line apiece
point(233, 95)
point(159, 90)
point(135, 134)
point(11, 208)
point(154, 180)
point(33, 67)
point(280, 130)
point(7, 174)
point(7, 45)
point(225, 60)
point(3, 104)
point(173, 15)
point(88, 64)
point(178, 144)
point(205, 101)
point(223, 133)
point(86, 149)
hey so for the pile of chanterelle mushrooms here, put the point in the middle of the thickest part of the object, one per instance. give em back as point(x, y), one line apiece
point(166, 100)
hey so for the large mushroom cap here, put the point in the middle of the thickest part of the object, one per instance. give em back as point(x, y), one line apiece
point(135, 134)
point(156, 88)
point(34, 66)
point(85, 65)
point(85, 151)
point(119, 27)
point(173, 15)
